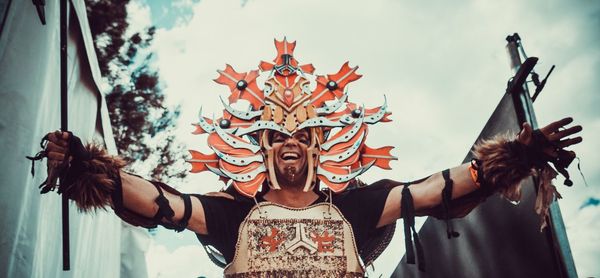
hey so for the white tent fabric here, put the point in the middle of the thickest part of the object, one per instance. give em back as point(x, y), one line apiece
point(101, 246)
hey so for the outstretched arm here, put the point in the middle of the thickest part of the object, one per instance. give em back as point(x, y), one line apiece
point(139, 195)
point(95, 180)
point(428, 193)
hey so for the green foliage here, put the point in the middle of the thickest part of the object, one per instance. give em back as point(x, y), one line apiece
point(142, 125)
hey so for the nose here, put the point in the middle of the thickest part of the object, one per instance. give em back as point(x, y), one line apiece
point(291, 141)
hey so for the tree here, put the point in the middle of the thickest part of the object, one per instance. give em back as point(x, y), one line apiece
point(142, 125)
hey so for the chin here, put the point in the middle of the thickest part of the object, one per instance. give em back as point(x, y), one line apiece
point(291, 176)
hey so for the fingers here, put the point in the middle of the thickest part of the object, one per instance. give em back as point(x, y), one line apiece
point(569, 142)
point(56, 156)
point(56, 148)
point(58, 137)
point(564, 133)
point(61, 135)
point(525, 136)
point(53, 147)
point(552, 127)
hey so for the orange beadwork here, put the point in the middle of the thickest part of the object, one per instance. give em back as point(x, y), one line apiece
point(324, 242)
point(272, 241)
point(286, 104)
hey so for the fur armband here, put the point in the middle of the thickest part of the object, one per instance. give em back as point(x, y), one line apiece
point(503, 163)
point(88, 174)
point(91, 180)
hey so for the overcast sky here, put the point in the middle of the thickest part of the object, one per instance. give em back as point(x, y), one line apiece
point(443, 67)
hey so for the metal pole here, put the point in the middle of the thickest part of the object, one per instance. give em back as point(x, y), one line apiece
point(556, 231)
point(64, 122)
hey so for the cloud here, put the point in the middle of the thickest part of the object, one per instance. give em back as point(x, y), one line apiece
point(185, 261)
point(582, 231)
point(138, 17)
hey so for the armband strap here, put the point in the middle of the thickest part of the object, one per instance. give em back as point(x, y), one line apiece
point(164, 208)
point(187, 212)
point(164, 215)
point(446, 201)
point(408, 215)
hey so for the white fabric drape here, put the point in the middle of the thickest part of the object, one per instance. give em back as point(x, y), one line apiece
point(30, 245)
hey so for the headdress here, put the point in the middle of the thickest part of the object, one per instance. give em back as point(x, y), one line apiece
point(287, 103)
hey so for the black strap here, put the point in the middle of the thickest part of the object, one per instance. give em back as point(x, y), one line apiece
point(69, 170)
point(187, 212)
point(166, 213)
point(164, 208)
point(407, 211)
point(535, 155)
point(77, 150)
point(446, 201)
point(117, 196)
point(39, 156)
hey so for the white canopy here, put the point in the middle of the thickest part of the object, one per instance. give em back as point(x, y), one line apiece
point(30, 91)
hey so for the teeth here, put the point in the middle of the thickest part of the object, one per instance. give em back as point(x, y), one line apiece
point(290, 156)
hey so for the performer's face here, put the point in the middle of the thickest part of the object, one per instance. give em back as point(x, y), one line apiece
point(290, 157)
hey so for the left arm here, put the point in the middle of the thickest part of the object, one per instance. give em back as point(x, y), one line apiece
point(499, 171)
point(428, 193)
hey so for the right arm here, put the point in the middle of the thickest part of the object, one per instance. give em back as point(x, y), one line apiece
point(139, 196)
point(95, 180)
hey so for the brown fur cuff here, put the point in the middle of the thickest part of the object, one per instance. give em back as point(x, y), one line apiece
point(505, 163)
point(91, 182)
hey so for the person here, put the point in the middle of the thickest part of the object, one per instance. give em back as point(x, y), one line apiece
point(294, 206)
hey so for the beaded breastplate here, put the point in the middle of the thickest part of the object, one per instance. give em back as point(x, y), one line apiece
point(278, 241)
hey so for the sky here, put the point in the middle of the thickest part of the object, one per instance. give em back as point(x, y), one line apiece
point(443, 68)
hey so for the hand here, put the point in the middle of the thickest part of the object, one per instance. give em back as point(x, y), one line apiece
point(57, 146)
point(547, 145)
point(56, 151)
point(555, 134)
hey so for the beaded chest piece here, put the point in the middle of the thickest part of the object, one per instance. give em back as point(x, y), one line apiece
point(277, 241)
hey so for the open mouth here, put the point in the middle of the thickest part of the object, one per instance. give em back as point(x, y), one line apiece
point(290, 156)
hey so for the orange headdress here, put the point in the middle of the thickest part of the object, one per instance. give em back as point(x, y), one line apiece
point(286, 104)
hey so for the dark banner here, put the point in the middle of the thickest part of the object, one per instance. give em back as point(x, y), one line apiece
point(497, 239)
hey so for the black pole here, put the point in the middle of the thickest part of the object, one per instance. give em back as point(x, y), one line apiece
point(64, 123)
point(556, 231)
